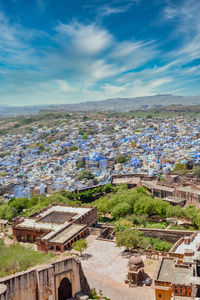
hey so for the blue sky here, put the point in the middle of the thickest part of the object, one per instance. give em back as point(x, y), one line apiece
point(69, 51)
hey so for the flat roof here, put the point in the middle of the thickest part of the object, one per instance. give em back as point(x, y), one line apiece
point(192, 246)
point(32, 223)
point(165, 272)
point(127, 180)
point(173, 199)
point(67, 234)
point(155, 186)
point(171, 273)
point(188, 189)
point(181, 275)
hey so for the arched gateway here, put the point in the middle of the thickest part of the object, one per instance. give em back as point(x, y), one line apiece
point(65, 289)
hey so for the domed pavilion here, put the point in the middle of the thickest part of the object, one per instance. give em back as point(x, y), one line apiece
point(135, 270)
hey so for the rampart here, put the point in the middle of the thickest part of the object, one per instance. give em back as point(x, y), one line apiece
point(45, 282)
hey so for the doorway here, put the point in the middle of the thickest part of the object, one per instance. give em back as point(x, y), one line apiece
point(65, 289)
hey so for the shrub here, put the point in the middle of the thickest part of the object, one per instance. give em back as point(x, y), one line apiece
point(120, 159)
point(86, 174)
point(180, 169)
point(73, 148)
point(17, 258)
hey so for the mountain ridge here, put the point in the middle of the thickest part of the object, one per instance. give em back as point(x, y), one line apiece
point(111, 104)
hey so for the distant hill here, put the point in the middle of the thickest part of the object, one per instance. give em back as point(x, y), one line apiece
point(12, 111)
point(115, 104)
point(127, 104)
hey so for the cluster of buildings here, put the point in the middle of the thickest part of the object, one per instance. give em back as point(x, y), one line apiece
point(176, 189)
point(47, 160)
point(178, 276)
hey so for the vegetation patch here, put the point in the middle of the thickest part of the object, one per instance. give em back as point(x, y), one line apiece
point(17, 258)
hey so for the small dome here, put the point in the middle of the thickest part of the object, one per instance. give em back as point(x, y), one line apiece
point(135, 262)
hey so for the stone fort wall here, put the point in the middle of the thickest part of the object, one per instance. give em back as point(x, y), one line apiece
point(42, 282)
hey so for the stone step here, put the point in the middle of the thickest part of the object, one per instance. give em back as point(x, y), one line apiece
point(81, 296)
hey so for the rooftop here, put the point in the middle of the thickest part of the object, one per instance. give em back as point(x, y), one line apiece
point(173, 199)
point(171, 273)
point(66, 234)
point(192, 246)
point(153, 185)
point(54, 218)
point(188, 189)
point(166, 268)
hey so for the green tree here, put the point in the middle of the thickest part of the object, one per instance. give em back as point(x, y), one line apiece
point(191, 213)
point(196, 171)
point(121, 209)
point(18, 204)
point(73, 148)
point(108, 188)
point(175, 211)
point(80, 246)
point(180, 169)
point(130, 239)
point(6, 212)
point(120, 159)
point(86, 174)
point(84, 137)
point(197, 221)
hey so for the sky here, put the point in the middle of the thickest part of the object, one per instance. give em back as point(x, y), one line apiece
point(70, 51)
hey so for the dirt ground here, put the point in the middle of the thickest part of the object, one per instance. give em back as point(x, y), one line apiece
point(105, 267)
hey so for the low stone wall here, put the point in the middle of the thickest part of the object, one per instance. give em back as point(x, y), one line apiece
point(43, 282)
point(171, 236)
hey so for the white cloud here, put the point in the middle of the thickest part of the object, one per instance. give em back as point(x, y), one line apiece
point(107, 10)
point(186, 17)
point(86, 39)
point(82, 62)
point(63, 85)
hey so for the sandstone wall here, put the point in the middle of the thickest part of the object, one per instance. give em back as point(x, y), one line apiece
point(42, 283)
point(171, 236)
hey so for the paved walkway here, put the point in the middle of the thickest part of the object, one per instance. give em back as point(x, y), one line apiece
point(105, 268)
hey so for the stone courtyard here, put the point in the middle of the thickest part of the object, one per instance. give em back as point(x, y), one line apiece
point(105, 267)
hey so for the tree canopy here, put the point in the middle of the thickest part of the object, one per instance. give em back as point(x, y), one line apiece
point(180, 169)
point(80, 246)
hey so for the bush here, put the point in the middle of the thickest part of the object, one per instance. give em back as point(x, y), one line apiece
point(121, 209)
point(80, 246)
point(180, 169)
point(132, 239)
point(108, 188)
point(86, 174)
point(196, 171)
point(17, 258)
point(120, 159)
point(84, 137)
point(73, 148)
